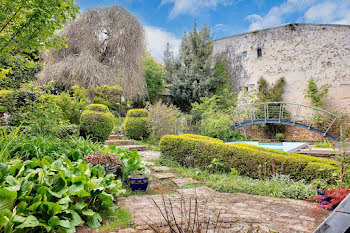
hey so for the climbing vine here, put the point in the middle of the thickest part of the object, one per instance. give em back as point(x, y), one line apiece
point(315, 93)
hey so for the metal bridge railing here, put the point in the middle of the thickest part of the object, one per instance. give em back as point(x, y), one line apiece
point(285, 113)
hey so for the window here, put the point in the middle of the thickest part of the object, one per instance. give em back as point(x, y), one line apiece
point(245, 54)
point(259, 52)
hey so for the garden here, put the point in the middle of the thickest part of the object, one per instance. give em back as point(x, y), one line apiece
point(89, 131)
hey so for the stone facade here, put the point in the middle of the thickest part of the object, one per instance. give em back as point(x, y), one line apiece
point(297, 52)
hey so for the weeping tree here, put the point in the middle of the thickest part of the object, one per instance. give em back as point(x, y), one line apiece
point(105, 46)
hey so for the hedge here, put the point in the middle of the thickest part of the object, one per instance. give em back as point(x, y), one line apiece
point(97, 107)
point(137, 113)
point(255, 162)
point(137, 127)
point(98, 125)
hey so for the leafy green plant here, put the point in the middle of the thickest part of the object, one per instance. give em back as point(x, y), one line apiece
point(97, 108)
point(279, 136)
point(57, 195)
point(324, 144)
point(131, 161)
point(7, 141)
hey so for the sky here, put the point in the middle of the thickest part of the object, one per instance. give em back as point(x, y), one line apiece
point(166, 20)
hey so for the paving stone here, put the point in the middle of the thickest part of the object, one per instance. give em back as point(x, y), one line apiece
point(162, 176)
point(160, 169)
point(150, 155)
point(115, 137)
point(127, 230)
point(118, 142)
point(150, 164)
point(238, 210)
point(180, 182)
point(134, 147)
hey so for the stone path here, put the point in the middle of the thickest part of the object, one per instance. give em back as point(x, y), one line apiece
point(239, 212)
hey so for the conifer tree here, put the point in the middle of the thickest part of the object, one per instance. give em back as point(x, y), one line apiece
point(191, 74)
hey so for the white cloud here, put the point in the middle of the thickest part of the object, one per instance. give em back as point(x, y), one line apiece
point(329, 12)
point(315, 11)
point(192, 7)
point(277, 13)
point(157, 38)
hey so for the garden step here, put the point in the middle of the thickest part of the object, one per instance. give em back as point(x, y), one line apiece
point(119, 142)
point(181, 182)
point(162, 176)
point(160, 169)
point(134, 147)
point(115, 137)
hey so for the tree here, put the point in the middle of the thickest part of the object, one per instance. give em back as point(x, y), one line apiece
point(315, 94)
point(105, 47)
point(28, 26)
point(190, 74)
point(154, 77)
point(271, 94)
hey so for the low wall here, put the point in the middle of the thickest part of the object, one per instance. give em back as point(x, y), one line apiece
point(292, 133)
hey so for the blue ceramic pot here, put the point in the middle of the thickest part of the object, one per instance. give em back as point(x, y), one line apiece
point(138, 183)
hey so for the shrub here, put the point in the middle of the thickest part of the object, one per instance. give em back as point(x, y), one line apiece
point(330, 198)
point(279, 136)
point(97, 108)
point(164, 119)
point(137, 127)
point(218, 125)
point(137, 113)
point(71, 106)
point(247, 160)
point(65, 131)
point(324, 144)
point(98, 125)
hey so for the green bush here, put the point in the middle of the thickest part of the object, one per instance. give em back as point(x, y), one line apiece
point(137, 127)
point(98, 125)
point(252, 161)
point(137, 113)
point(218, 125)
point(97, 107)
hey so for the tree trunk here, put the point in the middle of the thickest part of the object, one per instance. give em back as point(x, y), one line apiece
point(91, 95)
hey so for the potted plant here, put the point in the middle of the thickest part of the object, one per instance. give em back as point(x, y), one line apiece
point(110, 162)
point(138, 181)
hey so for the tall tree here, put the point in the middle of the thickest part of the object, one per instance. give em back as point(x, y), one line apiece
point(28, 26)
point(190, 74)
point(154, 77)
point(105, 47)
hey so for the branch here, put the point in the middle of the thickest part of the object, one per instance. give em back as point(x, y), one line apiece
point(10, 20)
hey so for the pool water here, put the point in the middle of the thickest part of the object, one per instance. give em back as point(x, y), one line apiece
point(284, 146)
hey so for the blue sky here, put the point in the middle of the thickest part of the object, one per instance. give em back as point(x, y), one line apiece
point(166, 20)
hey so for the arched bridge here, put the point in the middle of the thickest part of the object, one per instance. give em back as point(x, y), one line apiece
point(307, 117)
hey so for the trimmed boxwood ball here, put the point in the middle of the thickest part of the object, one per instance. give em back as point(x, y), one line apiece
point(137, 127)
point(98, 125)
point(137, 113)
point(137, 124)
point(97, 107)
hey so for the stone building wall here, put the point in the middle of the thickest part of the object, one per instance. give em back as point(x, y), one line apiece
point(297, 52)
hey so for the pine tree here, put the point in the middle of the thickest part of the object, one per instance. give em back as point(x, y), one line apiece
point(191, 74)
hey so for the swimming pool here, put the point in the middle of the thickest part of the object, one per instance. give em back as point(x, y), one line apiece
point(284, 146)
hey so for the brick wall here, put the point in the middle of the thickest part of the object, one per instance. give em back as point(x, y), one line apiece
point(292, 133)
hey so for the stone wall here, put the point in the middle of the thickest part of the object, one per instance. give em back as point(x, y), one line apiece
point(297, 52)
point(292, 133)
